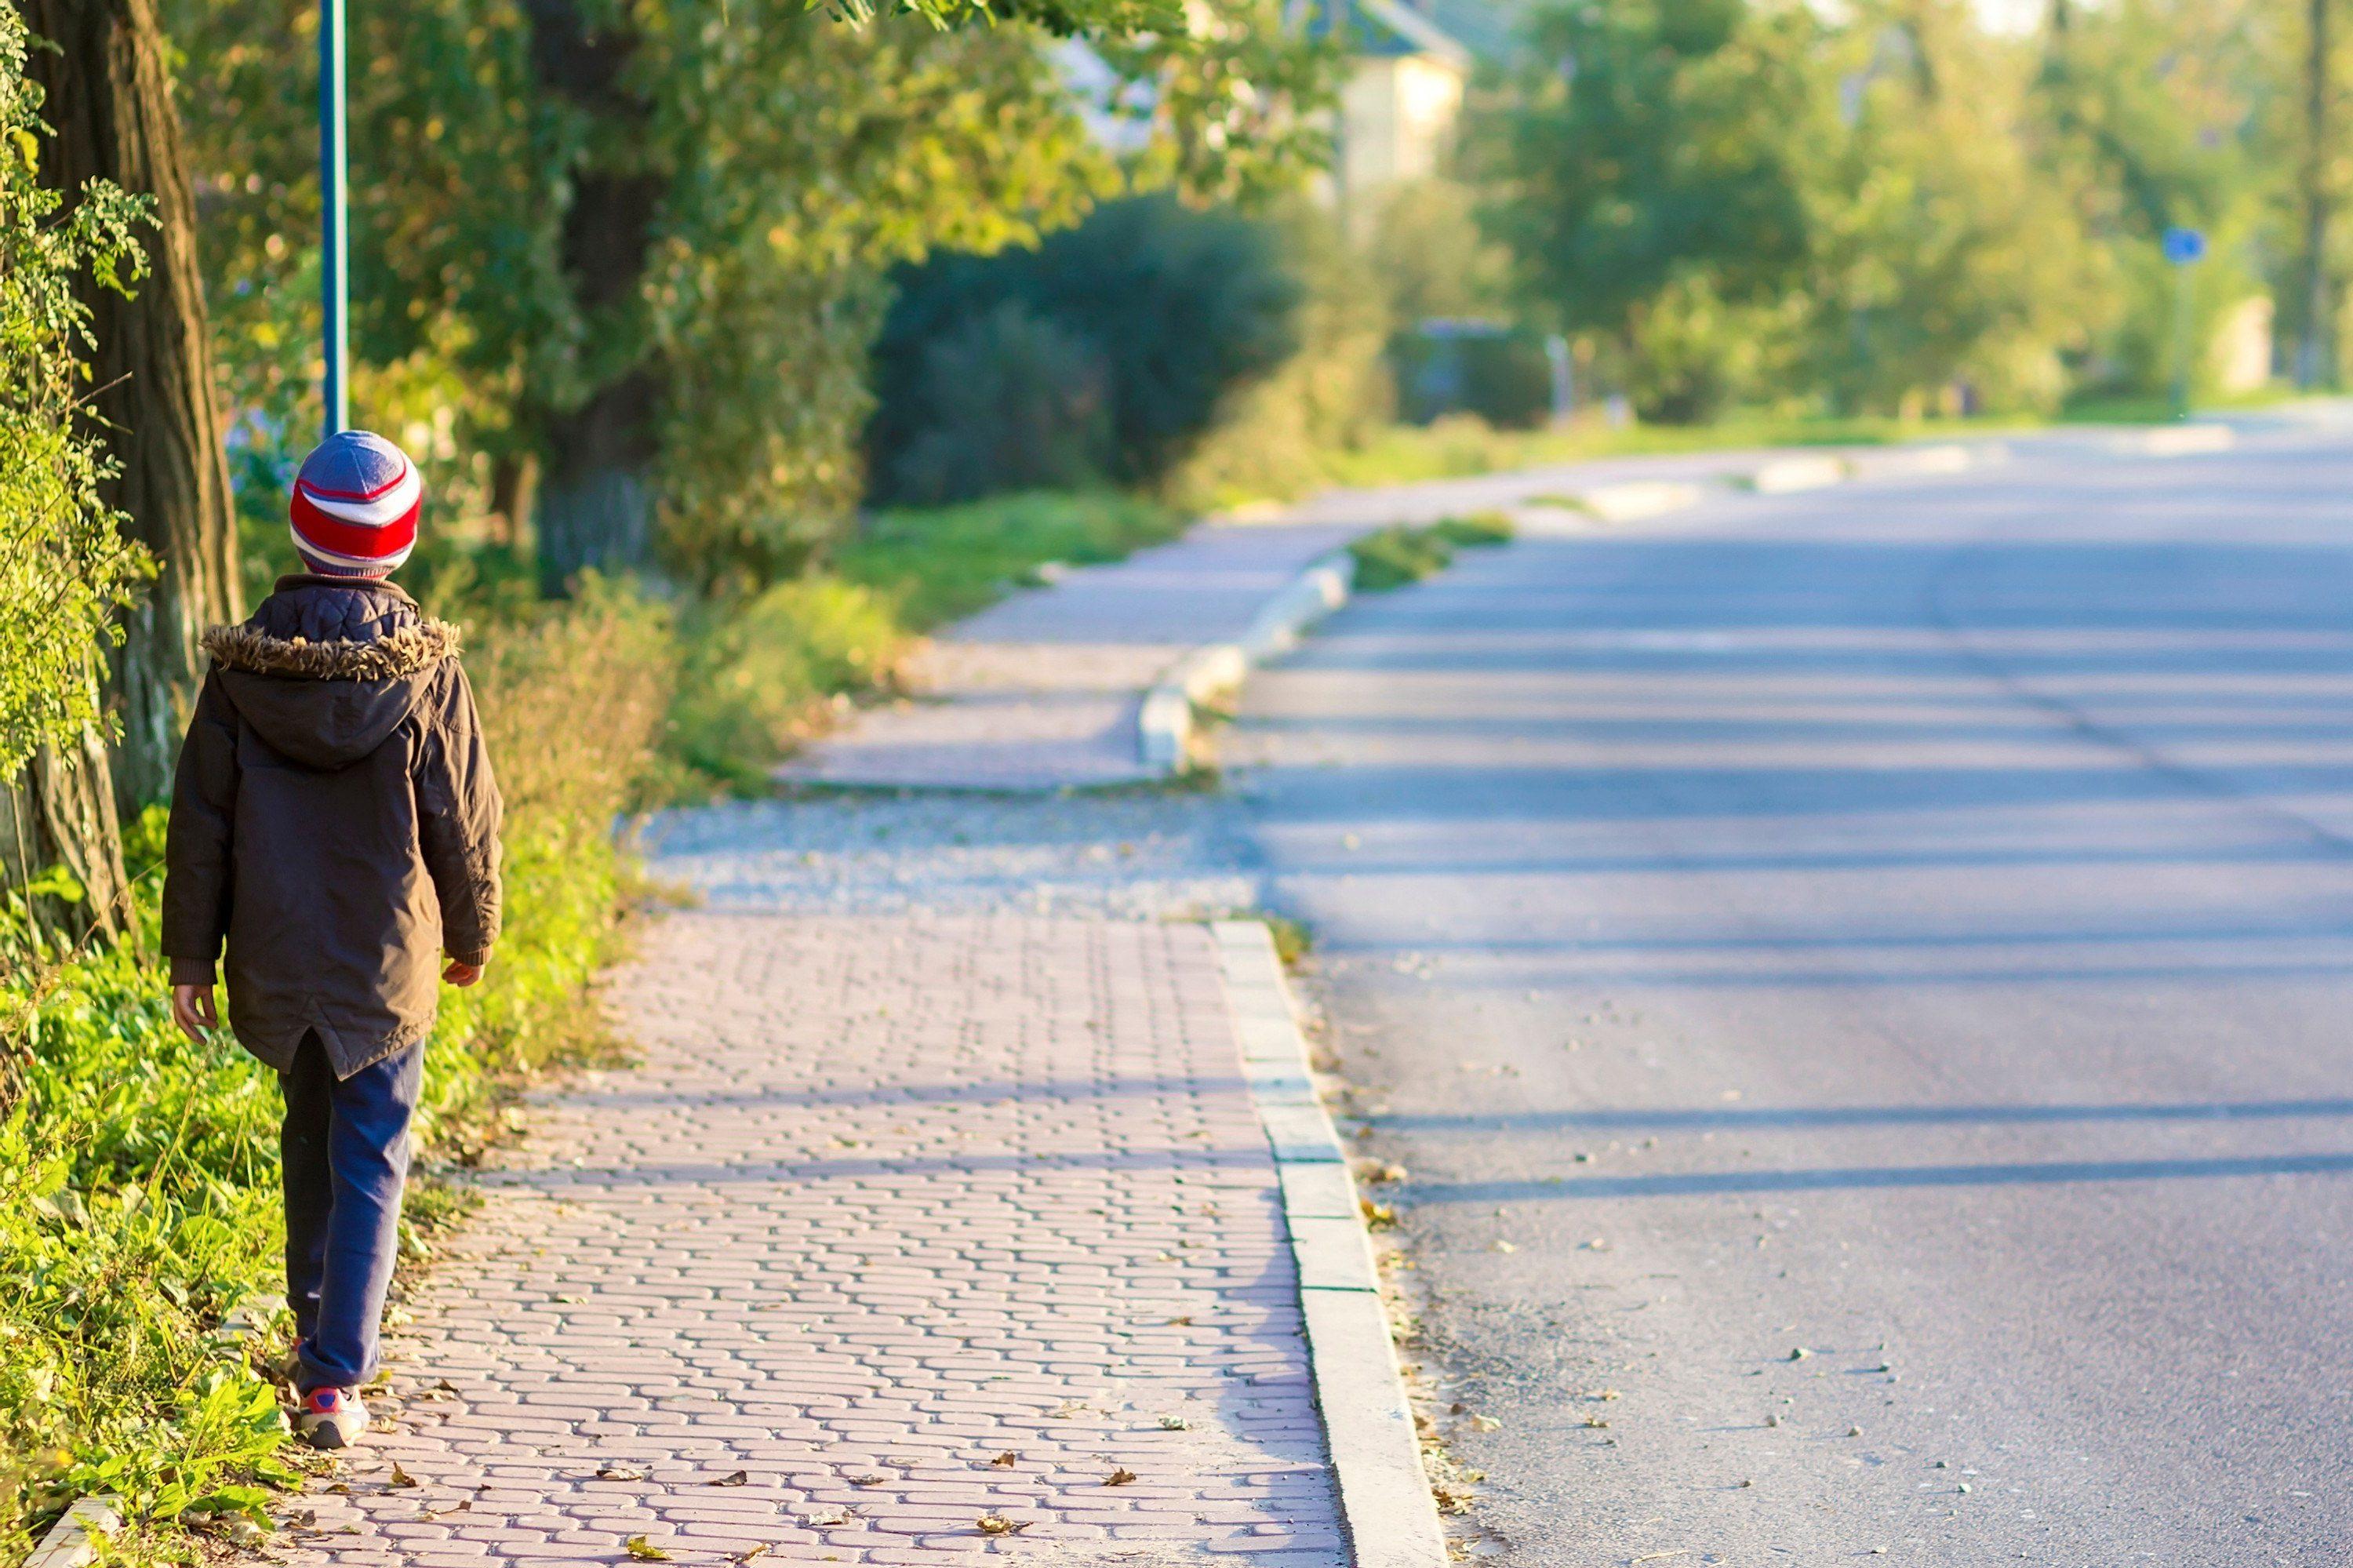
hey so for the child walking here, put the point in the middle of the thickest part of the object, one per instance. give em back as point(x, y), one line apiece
point(335, 822)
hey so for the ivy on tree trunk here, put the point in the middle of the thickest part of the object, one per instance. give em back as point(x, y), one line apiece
point(109, 96)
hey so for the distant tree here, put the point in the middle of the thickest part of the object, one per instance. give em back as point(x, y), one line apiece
point(1177, 307)
point(2155, 118)
point(1944, 252)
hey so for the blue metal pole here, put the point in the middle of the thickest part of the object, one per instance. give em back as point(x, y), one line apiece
point(335, 258)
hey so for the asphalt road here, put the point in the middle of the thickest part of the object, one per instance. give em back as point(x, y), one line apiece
point(1861, 984)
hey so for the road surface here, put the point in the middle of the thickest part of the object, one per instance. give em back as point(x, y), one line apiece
point(1861, 986)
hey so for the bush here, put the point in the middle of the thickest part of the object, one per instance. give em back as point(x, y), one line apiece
point(138, 1189)
point(1273, 435)
point(1179, 308)
point(1010, 401)
point(759, 679)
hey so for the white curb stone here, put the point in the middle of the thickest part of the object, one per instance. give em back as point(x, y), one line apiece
point(1164, 722)
point(2183, 440)
point(1784, 476)
point(72, 1542)
point(1384, 1492)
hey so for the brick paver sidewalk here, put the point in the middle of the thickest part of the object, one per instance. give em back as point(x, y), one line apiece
point(903, 1224)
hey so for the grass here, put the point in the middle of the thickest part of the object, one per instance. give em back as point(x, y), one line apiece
point(939, 564)
point(138, 1170)
point(1399, 554)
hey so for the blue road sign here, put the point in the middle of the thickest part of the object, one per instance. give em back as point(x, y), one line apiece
point(2183, 246)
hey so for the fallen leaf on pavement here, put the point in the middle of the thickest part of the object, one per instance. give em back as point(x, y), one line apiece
point(1174, 1423)
point(1004, 1461)
point(1485, 1424)
point(1120, 1477)
point(401, 1477)
point(645, 1550)
point(750, 1553)
point(865, 1481)
point(737, 1479)
point(1505, 1246)
point(997, 1524)
point(618, 1473)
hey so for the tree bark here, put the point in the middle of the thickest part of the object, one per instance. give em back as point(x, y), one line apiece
point(60, 811)
point(2316, 356)
point(595, 505)
point(109, 95)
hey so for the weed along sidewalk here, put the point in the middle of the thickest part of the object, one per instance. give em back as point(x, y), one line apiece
point(910, 1239)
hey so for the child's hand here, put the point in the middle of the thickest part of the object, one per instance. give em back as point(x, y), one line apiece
point(461, 974)
point(193, 1011)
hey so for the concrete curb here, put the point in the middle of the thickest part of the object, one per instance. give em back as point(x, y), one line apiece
point(2179, 440)
point(1787, 475)
point(1163, 721)
point(1385, 1498)
point(73, 1540)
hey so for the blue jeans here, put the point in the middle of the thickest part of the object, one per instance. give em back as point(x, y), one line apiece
point(344, 1149)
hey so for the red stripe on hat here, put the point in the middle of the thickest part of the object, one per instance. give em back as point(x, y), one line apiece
point(354, 539)
point(316, 487)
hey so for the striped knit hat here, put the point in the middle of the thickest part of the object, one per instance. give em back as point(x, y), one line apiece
point(356, 505)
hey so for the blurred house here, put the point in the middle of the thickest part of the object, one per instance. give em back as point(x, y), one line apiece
point(2242, 346)
point(1400, 100)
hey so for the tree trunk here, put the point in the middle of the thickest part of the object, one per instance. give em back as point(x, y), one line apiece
point(60, 811)
point(596, 500)
point(2316, 356)
point(109, 98)
point(595, 492)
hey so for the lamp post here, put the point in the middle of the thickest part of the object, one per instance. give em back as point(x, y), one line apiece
point(2185, 248)
point(334, 253)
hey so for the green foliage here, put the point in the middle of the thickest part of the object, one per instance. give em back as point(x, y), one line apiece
point(1650, 141)
point(2155, 116)
point(783, 159)
point(1006, 401)
point(138, 1188)
point(1399, 554)
point(1238, 99)
point(1428, 255)
point(1269, 434)
point(762, 678)
point(65, 568)
point(1174, 307)
point(1744, 204)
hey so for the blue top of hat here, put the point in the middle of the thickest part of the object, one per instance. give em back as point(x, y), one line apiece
point(352, 463)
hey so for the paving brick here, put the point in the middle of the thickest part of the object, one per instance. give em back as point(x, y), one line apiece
point(887, 1196)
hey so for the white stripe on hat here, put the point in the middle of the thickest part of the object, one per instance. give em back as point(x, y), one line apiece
point(389, 507)
point(388, 563)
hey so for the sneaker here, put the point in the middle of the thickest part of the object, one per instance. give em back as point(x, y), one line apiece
point(332, 1418)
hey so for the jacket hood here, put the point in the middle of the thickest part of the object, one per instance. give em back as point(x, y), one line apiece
point(327, 701)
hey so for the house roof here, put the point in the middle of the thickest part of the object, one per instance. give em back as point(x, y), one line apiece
point(1388, 29)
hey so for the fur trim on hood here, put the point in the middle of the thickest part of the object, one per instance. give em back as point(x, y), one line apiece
point(402, 652)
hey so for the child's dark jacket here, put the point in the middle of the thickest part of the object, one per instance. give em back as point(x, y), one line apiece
point(335, 820)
